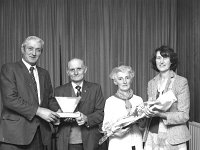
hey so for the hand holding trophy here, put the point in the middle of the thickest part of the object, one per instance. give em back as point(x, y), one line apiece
point(68, 106)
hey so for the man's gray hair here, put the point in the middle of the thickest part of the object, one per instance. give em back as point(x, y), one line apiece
point(33, 38)
point(83, 63)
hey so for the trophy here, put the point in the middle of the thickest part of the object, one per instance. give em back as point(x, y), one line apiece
point(68, 105)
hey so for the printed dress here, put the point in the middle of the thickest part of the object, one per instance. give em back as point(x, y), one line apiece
point(113, 111)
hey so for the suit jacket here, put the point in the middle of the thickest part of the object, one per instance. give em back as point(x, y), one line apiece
point(20, 102)
point(92, 105)
point(178, 114)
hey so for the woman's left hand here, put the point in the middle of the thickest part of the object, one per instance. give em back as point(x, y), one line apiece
point(149, 112)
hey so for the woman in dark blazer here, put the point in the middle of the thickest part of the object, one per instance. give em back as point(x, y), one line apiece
point(167, 130)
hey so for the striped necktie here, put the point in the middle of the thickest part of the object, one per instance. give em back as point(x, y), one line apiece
point(33, 79)
point(78, 91)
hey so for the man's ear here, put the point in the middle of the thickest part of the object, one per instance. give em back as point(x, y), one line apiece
point(85, 70)
point(22, 49)
point(67, 71)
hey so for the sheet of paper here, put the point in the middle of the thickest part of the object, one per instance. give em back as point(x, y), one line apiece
point(68, 104)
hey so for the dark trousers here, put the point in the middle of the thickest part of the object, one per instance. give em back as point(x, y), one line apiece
point(36, 144)
point(76, 147)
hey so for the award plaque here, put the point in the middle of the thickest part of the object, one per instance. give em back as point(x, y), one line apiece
point(68, 105)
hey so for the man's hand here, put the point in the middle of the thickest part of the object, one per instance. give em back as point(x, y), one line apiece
point(82, 119)
point(57, 122)
point(48, 115)
point(69, 119)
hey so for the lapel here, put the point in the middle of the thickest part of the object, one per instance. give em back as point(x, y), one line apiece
point(170, 81)
point(67, 90)
point(168, 84)
point(85, 90)
point(155, 87)
point(27, 79)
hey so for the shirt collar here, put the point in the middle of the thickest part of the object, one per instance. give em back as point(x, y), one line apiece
point(172, 74)
point(74, 85)
point(28, 66)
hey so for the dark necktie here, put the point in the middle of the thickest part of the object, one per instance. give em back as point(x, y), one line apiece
point(33, 79)
point(78, 91)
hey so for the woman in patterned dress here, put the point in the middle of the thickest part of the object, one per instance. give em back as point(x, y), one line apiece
point(119, 105)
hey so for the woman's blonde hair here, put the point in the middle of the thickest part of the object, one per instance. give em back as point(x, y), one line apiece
point(121, 68)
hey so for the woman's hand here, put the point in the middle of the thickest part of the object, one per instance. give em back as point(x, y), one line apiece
point(153, 113)
point(149, 112)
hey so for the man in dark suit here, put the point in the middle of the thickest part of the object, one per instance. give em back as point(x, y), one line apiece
point(81, 133)
point(28, 105)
